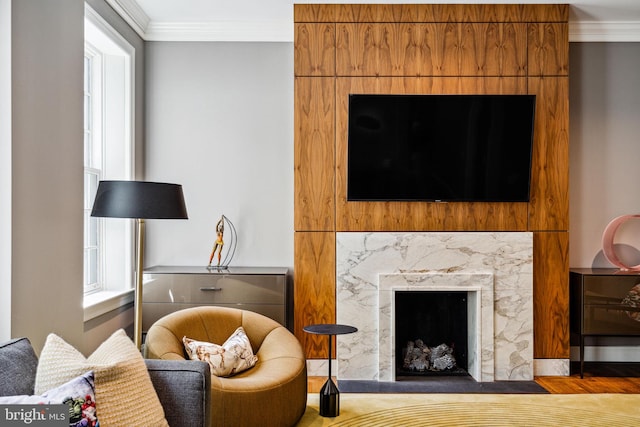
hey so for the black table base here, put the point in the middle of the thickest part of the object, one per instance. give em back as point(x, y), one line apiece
point(329, 399)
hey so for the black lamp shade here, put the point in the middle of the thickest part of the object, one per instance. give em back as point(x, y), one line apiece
point(139, 199)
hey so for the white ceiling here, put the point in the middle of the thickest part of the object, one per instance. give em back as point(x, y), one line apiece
point(272, 20)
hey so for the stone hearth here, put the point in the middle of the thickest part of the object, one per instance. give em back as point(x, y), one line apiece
point(495, 268)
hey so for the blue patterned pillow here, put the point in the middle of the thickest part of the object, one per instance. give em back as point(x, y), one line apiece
point(79, 394)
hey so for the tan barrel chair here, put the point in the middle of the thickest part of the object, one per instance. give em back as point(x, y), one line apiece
point(272, 393)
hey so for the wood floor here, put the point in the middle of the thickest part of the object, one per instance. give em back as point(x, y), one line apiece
point(589, 384)
point(556, 385)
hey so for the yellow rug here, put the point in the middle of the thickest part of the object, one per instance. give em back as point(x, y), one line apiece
point(433, 410)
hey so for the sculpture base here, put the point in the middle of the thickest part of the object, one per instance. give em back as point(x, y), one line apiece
point(217, 267)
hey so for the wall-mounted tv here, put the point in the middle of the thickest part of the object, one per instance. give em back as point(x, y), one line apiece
point(449, 148)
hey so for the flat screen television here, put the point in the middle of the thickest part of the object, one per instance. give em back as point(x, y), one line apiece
point(448, 148)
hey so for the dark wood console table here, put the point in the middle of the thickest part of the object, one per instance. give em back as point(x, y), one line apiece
point(602, 304)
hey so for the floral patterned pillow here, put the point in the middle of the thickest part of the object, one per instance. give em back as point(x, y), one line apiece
point(230, 358)
point(78, 394)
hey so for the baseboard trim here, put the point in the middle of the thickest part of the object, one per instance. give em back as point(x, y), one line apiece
point(320, 367)
point(551, 367)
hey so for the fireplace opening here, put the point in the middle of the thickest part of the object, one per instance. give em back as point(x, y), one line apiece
point(431, 333)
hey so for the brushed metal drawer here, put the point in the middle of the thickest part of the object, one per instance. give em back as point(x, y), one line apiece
point(208, 289)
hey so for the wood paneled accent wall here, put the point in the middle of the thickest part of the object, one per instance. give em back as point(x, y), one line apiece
point(439, 49)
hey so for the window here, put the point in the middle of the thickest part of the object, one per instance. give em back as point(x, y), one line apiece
point(108, 155)
point(92, 164)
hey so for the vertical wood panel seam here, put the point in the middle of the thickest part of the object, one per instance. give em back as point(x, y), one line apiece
point(335, 134)
point(528, 92)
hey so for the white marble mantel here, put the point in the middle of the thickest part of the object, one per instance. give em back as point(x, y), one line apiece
point(480, 342)
point(363, 258)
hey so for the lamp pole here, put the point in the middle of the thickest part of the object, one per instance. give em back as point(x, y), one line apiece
point(137, 303)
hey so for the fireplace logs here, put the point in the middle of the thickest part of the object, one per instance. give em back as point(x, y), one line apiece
point(418, 357)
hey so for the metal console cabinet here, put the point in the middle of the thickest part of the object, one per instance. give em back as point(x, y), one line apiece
point(170, 288)
point(602, 303)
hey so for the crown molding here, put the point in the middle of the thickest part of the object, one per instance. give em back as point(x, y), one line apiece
point(220, 31)
point(601, 31)
point(132, 13)
point(283, 32)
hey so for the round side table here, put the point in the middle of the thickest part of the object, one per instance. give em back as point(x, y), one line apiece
point(329, 394)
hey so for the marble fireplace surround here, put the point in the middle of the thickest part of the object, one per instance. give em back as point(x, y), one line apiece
point(495, 268)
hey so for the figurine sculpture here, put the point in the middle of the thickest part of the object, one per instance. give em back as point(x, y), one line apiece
point(223, 262)
point(219, 243)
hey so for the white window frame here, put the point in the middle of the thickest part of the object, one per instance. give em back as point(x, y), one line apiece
point(117, 157)
point(92, 94)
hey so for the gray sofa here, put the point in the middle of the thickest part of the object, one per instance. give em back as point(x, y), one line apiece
point(184, 387)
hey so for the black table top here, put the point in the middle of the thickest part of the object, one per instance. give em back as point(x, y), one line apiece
point(330, 329)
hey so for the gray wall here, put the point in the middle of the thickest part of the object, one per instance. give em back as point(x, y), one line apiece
point(604, 149)
point(47, 51)
point(220, 122)
point(604, 171)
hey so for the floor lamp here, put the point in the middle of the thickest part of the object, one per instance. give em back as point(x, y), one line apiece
point(139, 200)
